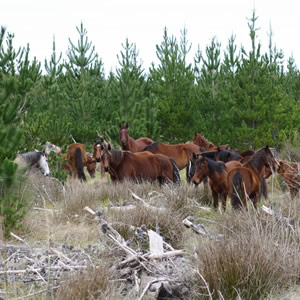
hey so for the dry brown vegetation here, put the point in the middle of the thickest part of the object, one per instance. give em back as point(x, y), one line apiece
point(256, 256)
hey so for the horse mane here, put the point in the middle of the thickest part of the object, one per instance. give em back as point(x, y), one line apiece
point(258, 158)
point(151, 146)
point(117, 156)
point(215, 166)
point(32, 157)
point(224, 154)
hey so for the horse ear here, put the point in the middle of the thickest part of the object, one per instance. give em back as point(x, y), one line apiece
point(102, 140)
point(108, 147)
point(126, 125)
point(195, 134)
point(194, 156)
point(120, 125)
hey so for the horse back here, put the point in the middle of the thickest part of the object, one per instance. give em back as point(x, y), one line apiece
point(142, 142)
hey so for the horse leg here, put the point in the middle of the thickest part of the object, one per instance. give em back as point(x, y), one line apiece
point(224, 196)
point(215, 196)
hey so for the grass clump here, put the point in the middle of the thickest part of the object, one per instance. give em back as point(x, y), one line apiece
point(93, 283)
point(257, 256)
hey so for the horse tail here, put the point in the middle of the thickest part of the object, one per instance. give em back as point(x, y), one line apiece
point(188, 172)
point(79, 164)
point(176, 173)
point(263, 188)
point(237, 190)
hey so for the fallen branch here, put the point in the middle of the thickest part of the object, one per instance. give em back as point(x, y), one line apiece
point(279, 216)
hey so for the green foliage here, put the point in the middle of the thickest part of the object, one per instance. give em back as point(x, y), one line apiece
point(242, 98)
point(11, 106)
point(171, 87)
point(128, 98)
point(55, 164)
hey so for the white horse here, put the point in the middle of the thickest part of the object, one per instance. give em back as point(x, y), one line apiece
point(33, 160)
point(51, 147)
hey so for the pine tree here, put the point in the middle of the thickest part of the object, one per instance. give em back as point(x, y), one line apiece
point(10, 134)
point(171, 87)
point(129, 95)
point(84, 86)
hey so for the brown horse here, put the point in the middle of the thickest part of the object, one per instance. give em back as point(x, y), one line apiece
point(130, 144)
point(245, 181)
point(77, 159)
point(97, 149)
point(290, 171)
point(217, 174)
point(220, 154)
point(181, 153)
point(138, 167)
point(200, 140)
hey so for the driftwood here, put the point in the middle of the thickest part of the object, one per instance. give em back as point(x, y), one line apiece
point(286, 221)
point(200, 229)
point(154, 262)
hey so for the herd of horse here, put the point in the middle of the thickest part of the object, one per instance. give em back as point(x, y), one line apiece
point(239, 175)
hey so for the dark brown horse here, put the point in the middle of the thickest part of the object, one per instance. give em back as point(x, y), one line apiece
point(220, 154)
point(130, 144)
point(139, 166)
point(217, 174)
point(181, 153)
point(77, 160)
point(290, 171)
point(245, 182)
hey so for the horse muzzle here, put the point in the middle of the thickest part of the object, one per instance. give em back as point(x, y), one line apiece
point(106, 169)
point(195, 182)
point(98, 159)
point(123, 144)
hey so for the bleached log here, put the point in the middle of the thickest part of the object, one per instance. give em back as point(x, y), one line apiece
point(166, 254)
point(135, 196)
point(278, 215)
point(156, 243)
point(194, 227)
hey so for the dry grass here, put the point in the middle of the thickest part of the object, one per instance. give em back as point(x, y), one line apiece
point(93, 283)
point(258, 255)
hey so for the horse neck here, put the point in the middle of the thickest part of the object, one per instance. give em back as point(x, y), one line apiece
point(131, 145)
point(116, 157)
point(31, 158)
point(256, 163)
point(211, 172)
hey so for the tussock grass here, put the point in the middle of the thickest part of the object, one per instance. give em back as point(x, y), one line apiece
point(93, 283)
point(257, 256)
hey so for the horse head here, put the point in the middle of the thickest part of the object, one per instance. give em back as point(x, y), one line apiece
point(271, 160)
point(124, 135)
point(201, 170)
point(97, 149)
point(43, 164)
point(106, 156)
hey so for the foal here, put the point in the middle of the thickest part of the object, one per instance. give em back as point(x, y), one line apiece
point(217, 174)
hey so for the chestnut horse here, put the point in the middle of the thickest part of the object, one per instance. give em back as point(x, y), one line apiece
point(200, 140)
point(139, 166)
point(290, 171)
point(245, 181)
point(130, 144)
point(77, 159)
point(181, 153)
